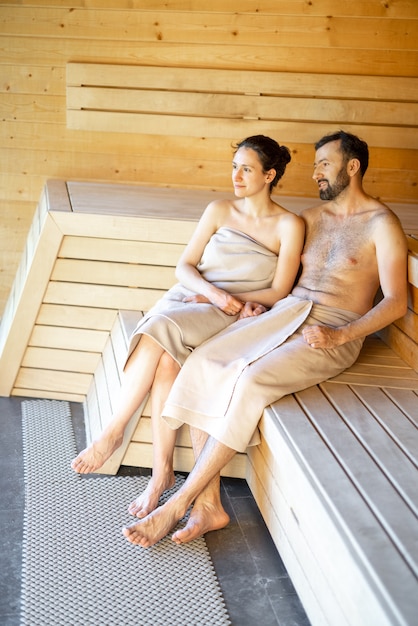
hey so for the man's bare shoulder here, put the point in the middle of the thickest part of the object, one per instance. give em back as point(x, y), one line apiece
point(383, 215)
point(312, 212)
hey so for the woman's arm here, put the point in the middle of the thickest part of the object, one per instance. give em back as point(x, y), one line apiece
point(292, 235)
point(187, 273)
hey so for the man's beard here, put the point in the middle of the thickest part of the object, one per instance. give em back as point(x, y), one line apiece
point(332, 191)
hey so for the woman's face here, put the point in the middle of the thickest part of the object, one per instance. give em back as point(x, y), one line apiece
point(248, 176)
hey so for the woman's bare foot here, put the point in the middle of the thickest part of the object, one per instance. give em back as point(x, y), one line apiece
point(154, 527)
point(203, 518)
point(147, 501)
point(96, 454)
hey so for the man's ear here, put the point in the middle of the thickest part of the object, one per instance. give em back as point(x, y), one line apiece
point(353, 166)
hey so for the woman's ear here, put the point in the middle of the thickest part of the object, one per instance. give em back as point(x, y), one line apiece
point(270, 175)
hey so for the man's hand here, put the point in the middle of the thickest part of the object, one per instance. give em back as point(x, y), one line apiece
point(251, 309)
point(324, 337)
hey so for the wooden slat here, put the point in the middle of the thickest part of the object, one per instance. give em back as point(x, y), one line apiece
point(406, 401)
point(192, 79)
point(232, 106)
point(343, 505)
point(61, 360)
point(183, 460)
point(367, 8)
point(102, 296)
point(76, 317)
point(383, 496)
point(288, 131)
point(363, 61)
point(124, 227)
point(144, 201)
point(268, 481)
point(68, 338)
point(150, 253)
point(47, 394)
point(121, 274)
point(392, 419)
point(15, 338)
point(52, 380)
point(401, 344)
point(196, 27)
point(396, 454)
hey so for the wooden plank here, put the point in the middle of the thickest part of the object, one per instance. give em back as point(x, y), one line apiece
point(76, 317)
point(382, 496)
point(51, 380)
point(408, 324)
point(121, 274)
point(87, 340)
point(15, 340)
point(48, 395)
point(363, 61)
point(392, 419)
point(124, 227)
point(111, 372)
point(377, 136)
point(401, 344)
point(378, 371)
point(102, 296)
point(342, 504)
point(348, 378)
point(122, 251)
point(234, 106)
point(57, 195)
point(367, 8)
point(219, 80)
point(407, 401)
point(390, 439)
point(267, 482)
point(144, 201)
point(209, 27)
point(140, 455)
point(62, 360)
point(42, 79)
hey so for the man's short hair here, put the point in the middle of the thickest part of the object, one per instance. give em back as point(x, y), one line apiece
point(351, 146)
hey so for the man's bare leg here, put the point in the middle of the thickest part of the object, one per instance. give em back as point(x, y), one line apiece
point(137, 380)
point(207, 513)
point(163, 441)
point(158, 524)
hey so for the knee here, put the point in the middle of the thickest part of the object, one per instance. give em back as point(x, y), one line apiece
point(167, 365)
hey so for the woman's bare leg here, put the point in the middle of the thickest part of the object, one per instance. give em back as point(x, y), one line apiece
point(137, 380)
point(163, 440)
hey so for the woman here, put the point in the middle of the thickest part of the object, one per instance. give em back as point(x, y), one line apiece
point(243, 256)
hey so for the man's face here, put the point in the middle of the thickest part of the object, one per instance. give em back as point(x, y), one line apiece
point(330, 171)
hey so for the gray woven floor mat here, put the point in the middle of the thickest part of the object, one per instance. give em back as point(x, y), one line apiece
point(78, 569)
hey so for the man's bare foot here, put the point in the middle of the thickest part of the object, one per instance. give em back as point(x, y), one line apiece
point(203, 518)
point(96, 454)
point(147, 501)
point(154, 527)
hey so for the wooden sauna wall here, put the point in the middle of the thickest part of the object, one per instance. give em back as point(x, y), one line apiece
point(343, 38)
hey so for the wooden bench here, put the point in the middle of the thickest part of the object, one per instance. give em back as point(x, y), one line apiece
point(335, 475)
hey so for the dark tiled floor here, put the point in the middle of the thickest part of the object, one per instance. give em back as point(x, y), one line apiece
point(255, 585)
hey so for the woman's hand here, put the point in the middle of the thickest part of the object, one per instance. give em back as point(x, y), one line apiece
point(222, 299)
point(251, 309)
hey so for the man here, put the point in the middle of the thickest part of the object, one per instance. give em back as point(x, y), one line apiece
point(354, 243)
